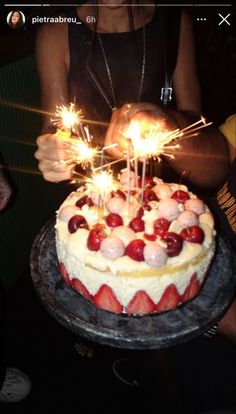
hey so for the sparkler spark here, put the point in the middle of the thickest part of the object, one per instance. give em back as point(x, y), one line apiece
point(103, 182)
point(152, 139)
point(83, 153)
point(67, 121)
point(66, 118)
point(149, 139)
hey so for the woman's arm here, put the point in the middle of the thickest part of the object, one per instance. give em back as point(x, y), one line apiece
point(52, 57)
point(185, 79)
point(205, 158)
point(53, 65)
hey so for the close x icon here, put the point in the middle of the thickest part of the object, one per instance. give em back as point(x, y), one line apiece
point(224, 19)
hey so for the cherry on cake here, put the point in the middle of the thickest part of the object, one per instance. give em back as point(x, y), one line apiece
point(138, 252)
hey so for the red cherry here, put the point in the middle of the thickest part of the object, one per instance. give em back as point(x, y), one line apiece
point(95, 238)
point(193, 234)
point(180, 196)
point(150, 237)
point(149, 195)
point(148, 182)
point(84, 200)
point(135, 250)
point(161, 226)
point(118, 193)
point(140, 212)
point(137, 224)
point(114, 220)
point(77, 222)
point(174, 243)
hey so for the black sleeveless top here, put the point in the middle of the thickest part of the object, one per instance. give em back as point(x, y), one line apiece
point(124, 53)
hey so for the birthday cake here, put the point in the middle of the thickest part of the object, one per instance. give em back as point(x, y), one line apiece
point(138, 250)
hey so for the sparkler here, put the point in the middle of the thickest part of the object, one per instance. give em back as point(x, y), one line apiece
point(102, 183)
point(83, 153)
point(66, 119)
point(152, 139)
point(142, 140)
point(128, 170)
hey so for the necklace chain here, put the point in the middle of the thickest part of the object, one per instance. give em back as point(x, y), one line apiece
point(114, 106)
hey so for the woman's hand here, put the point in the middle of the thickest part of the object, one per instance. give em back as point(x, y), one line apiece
point(55, 157)
point(140, 112)
point(113, 135)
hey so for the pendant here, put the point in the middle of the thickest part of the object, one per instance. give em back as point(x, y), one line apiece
point(166, 95)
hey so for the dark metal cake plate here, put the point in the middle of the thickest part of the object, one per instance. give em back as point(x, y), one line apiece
point(131, 332)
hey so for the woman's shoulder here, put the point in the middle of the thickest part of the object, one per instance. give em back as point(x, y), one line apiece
point(54, 30)
point(52, 37)
point(52, 43)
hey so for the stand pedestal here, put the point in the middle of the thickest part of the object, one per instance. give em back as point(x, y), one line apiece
point(131, 332)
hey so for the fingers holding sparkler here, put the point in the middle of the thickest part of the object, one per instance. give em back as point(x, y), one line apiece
point(59, 154)
point(55, 157)
point(52, 148)
point(56, 171)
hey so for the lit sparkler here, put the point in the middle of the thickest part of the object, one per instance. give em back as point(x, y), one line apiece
point(83, 153)
point(67, 118)
point(102, 183)
point(152, 139)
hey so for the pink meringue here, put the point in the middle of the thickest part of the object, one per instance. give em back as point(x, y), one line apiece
point(125, 234)
point(196, 205)
point(124, 179)
point(169, 209)
point(115, 204)
point(154, 255)
point(112, 248)
point(162, 191)
point(188, 218)
point(67, 212)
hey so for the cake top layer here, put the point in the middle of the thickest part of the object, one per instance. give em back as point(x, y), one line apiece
point(160, 224)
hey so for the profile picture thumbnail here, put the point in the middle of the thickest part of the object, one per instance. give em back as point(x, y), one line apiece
point(16, 19)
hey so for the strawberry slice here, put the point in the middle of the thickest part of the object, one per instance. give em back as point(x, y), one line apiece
point(169, 300)
point(141, 303)
point(105, 299)
point(64, 273)
point(80, 288)
point(192, 289)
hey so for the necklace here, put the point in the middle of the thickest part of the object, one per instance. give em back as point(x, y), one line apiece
point(113, 104)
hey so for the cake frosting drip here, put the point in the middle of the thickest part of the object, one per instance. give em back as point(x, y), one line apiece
point(122, 248)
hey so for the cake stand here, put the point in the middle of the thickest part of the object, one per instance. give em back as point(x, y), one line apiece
point(154, 331)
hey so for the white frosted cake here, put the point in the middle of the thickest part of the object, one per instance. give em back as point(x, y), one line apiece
point(135, 253)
